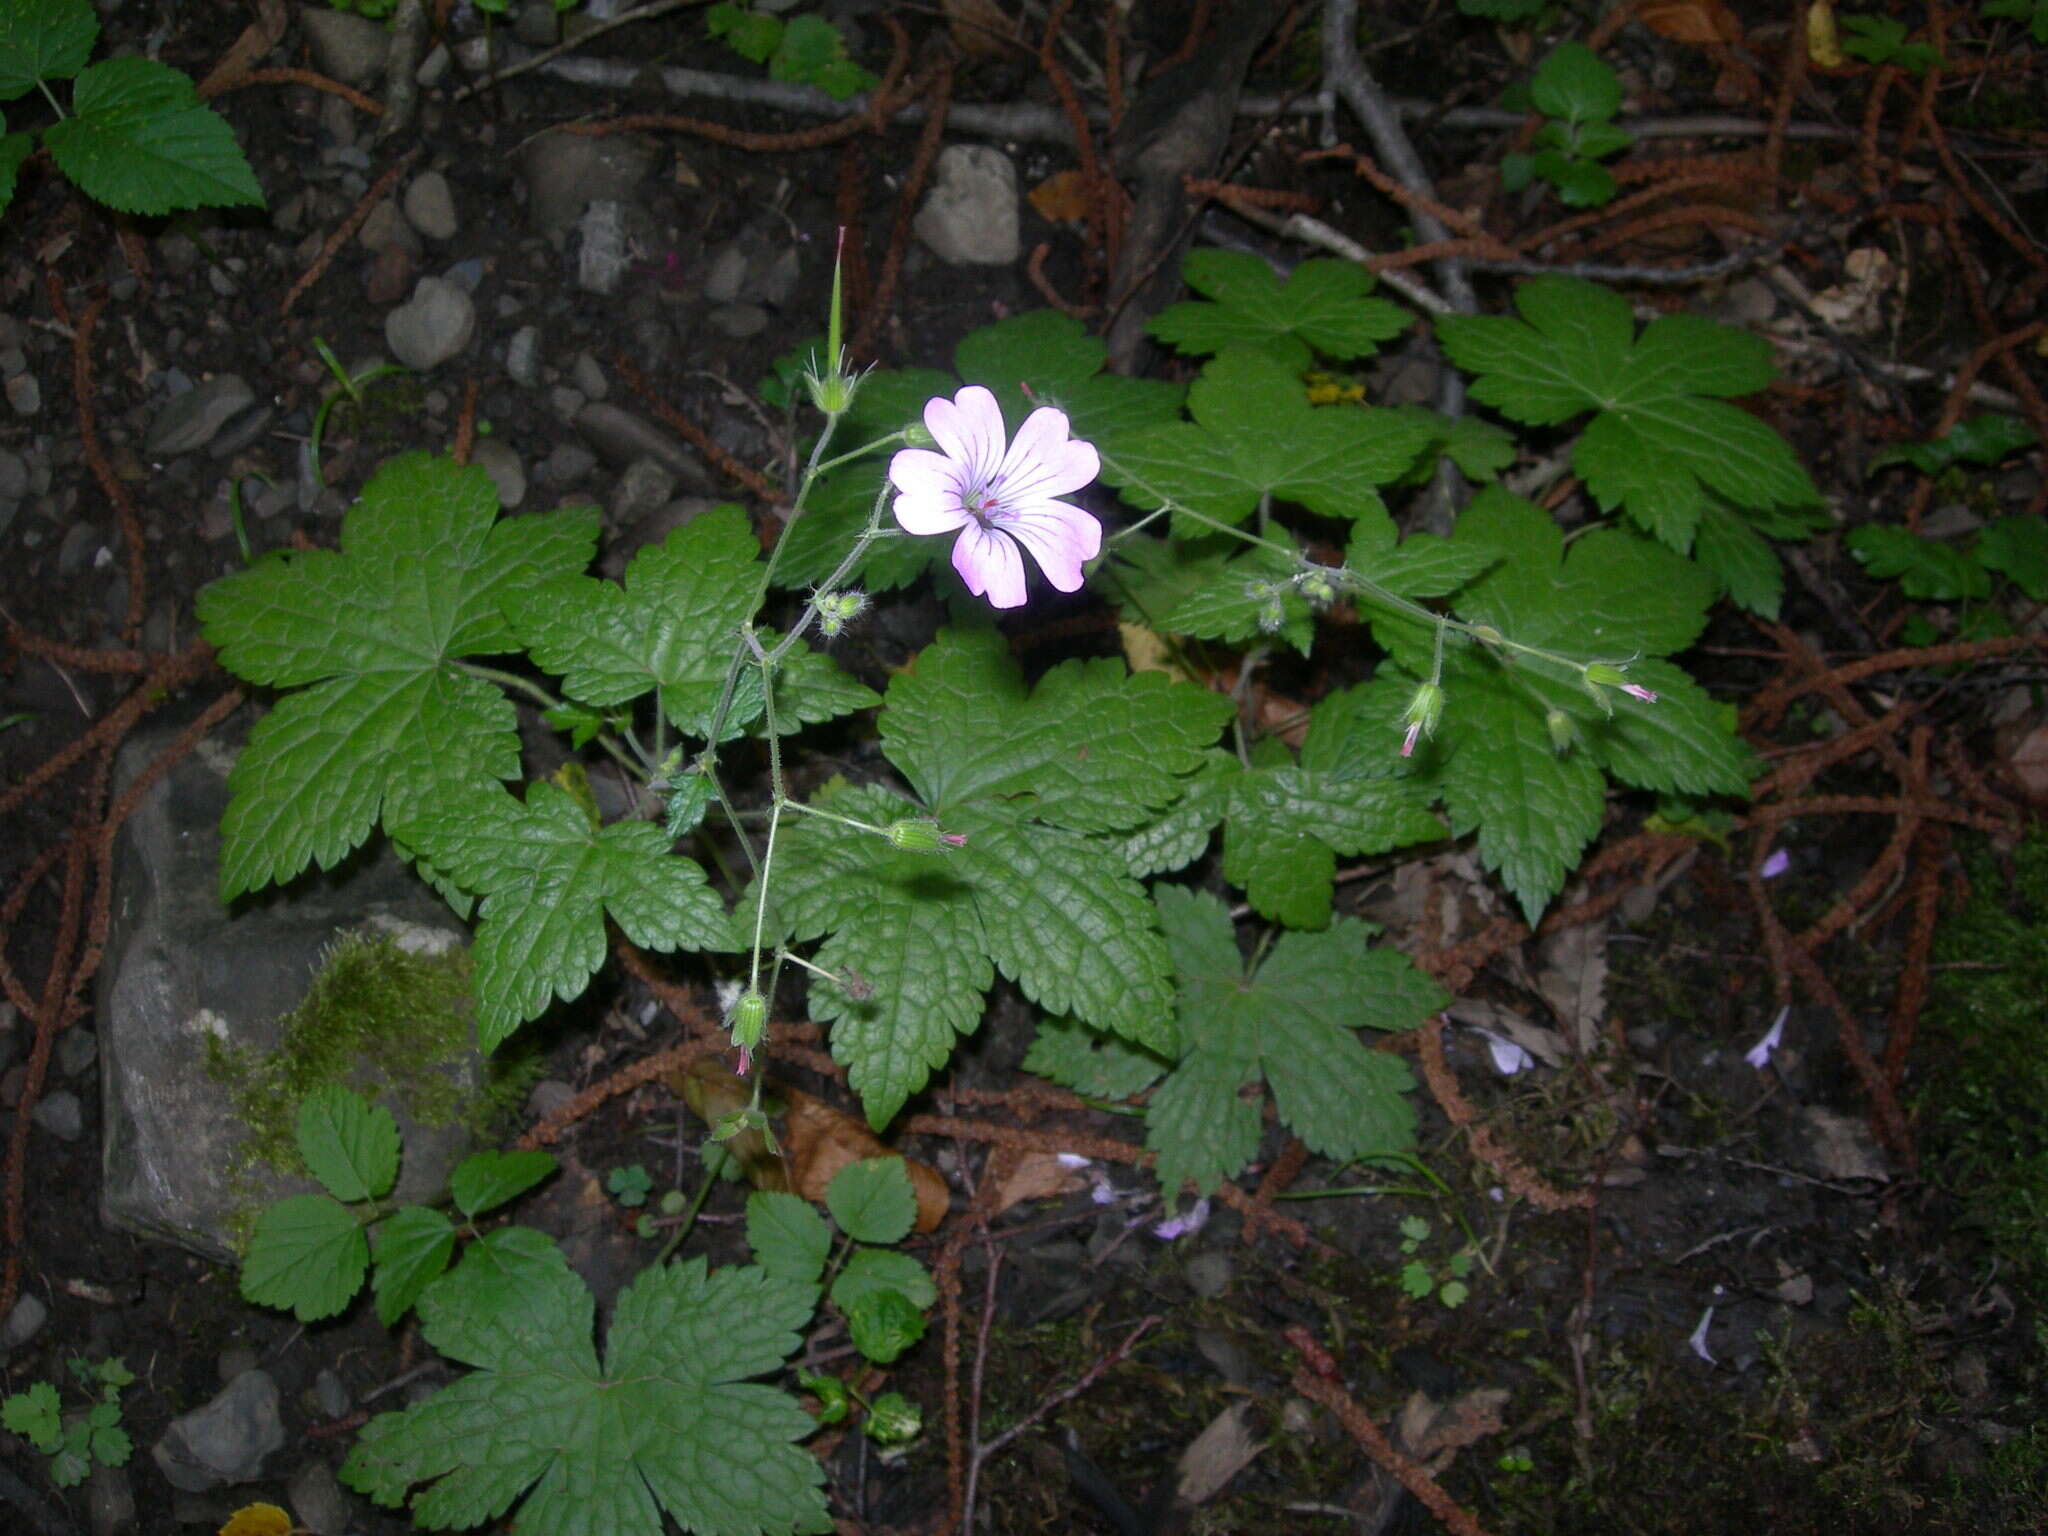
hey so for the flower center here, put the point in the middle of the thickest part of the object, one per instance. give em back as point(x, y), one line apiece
point(982, 504)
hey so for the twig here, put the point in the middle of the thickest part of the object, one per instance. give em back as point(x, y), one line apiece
point(1087, 1379)
point(588, 35)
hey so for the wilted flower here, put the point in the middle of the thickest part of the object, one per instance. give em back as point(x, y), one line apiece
point(999, 498)
point(1193, 1219)
point(1759, 1055)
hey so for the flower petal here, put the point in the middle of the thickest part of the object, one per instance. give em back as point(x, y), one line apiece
point(1044, 462)
point(1060, 538)
point(928, 491)
point(969, 428)
point(990, 564)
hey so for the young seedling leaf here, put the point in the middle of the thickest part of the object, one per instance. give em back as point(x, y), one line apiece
point(483, 1181)
point(382, 725)
point(667, 1423)
point(350, 1145)
point(883, 1269)
point(307, 1253)
point(36, 1414)
point(139, 141)
point(789, 1239)
point(43, 40)
point(882, 1323)
point(872, 1200)
point(412, 1249)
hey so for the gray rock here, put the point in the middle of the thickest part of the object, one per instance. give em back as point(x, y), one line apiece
point(350, 48)
point(241, 430)
point(467, 274)
point(76, 549)
point(728, 273)
point(643, 486)
point(538, 25)
point(739, 321)
point(563, 172)
point(1208, 1273)
point(13, 475)
point(24, 1322)
point(970, 218)
point(522, 356)
point(77, 1049)
point(386, 229)
point(569, 463)
point(24, 394)
point(110, 1501)
point(601, 254)
point(587, 376)
point(226, 1441)
point(620, 437)
point(504, 468)
point(61, 1115)
point(651, 529)
point(430, 206)
point(317, 1499)
point(565, 402)
point(775, 280)
point(331, 1394)
point(189, 422)
point(181, 968)
point(434, 67)
point(433, 326)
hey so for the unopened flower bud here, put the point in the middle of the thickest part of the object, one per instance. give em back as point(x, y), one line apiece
point(749, 1019)
point(1562, 731)
point(1272, 616)
point(1421, 716)
point(921, 834)
point(1486, 634)
point(837, 609)
point(1601, 675)
point(1317, 587)
point(917, 435)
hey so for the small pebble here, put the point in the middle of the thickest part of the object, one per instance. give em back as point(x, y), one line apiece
point(61, 1115)
point(24, 1322)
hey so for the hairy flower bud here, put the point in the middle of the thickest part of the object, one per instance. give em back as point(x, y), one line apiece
point(838, 609)
point(921, 834)
point(749, 1019)
point(1562, 731)
point(1317, 587)
point(1421, 716)
point(918, 435)
point(1272, 616)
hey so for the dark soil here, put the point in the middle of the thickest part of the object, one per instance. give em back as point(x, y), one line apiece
point(1873, 1366)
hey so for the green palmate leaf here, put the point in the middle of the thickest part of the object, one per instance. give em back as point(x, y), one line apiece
point(1287, 827)
point(1292, 1022)
point(872, 1200)
point(1087, 1062)
point(1613, 597)
point(1047, 358)
point(307, 1253)
point(1574, 84)
point(1421, 565)
point(1923, 568)
point(668, 1423)
point(1255, 435)
point(1729, 548)
point(549, 877)
point(388, 726)
point(141, 142)
point(14, 149)
point(349, 1144)
point(483, 1181)
point(1094, 747)
point(1659, 446)
point(752, 35)
point(1064, 921)
point(883, 1269)
point(907, 923)
point(789, 1239)
point(1321, 307)
point(2017, 548)
point(412, 1249)
point(43, 40)
point(1480, 449)
point(36, 1414)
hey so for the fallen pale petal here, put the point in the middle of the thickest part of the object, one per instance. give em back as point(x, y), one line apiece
point(1759, 1055)
point(1698, 1341)
point(1508, 1057)
point(1776, 864)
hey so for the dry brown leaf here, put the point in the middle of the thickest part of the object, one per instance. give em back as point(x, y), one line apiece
point(819, 1140)
point(1148, 651)
point(1037, 1176)
point(1433, 1433)
point(1823, 43)
point(1573, 980)
point(1843, 1147)
point(1691, 21)
point(2030, 762)
point(1221, 1451)
point(1062, 197)
point(714, 1092)
point(980, 28)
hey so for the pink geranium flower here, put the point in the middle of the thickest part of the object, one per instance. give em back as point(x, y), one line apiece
point(1000, 500)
